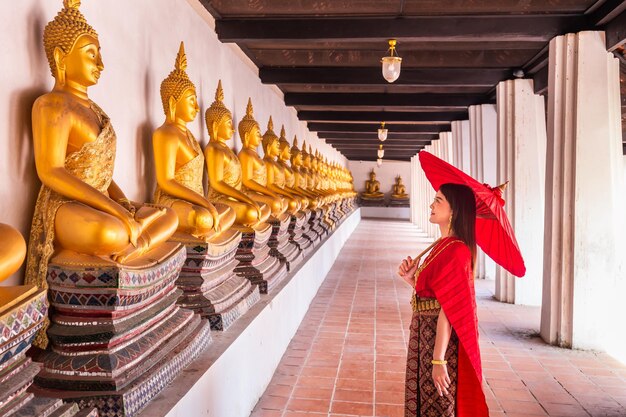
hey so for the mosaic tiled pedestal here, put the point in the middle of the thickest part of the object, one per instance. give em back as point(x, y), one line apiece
point(20, 319)
point(117, 336)
point(210, 285)
point(316, 218)
point(298, 225)
point(255, 262)
point(399, 202)
point(281, 245)
point(372, 202)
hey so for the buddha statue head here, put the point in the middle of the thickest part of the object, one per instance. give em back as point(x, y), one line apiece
point(399, 180)
point(249, 129)
point(296, 155)
point(219, 120)
point(270, 141)
point(72, 48)
point(283, 146)
point(372, 175)
point(178, 94)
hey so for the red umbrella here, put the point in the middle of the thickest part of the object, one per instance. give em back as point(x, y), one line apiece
point(494, 233)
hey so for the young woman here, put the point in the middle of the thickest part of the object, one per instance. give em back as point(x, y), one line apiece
point(443, 374)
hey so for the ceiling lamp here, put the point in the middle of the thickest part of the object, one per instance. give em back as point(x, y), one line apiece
point(391, 63)
point(381, 151)
point(382, 132)
point(379, 162)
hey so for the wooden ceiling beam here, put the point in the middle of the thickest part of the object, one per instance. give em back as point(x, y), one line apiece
point(383, 99)
point(480, 77)
point(539, 27)
point(392, 116)
point(374, 135)
point(339, 127)
point(616, 32)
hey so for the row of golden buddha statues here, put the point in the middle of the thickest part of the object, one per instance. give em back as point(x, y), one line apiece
point(372, 196)
point(134, 289)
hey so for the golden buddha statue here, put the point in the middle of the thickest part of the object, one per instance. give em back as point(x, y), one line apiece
point(81, 214)
point(284, 158)
point(275, 171)
point(372, 188)
point(179, 161)
point(300, 175)
point(398, 191)
point(224, 168)
point(254, 172)
point(12, 253)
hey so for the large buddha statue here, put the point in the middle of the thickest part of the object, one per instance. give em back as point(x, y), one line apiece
point(275, 171)
point(81, 215)
point(179, 161)
point(253, 169)
point(398, 191)
point(284, 160)
point(224, 168)
point(372, 188)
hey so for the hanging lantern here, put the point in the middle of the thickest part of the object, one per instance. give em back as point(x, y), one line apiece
point(381, 151)
point(382, 132)
point(391, 63)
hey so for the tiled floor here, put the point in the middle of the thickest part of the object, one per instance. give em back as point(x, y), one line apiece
point(348, 356)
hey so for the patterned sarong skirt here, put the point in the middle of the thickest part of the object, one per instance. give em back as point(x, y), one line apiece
point(421, 396)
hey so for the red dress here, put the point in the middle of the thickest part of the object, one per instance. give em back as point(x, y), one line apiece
point(447, 276)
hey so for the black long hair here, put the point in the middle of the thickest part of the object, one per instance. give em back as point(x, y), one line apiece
point(463, 204)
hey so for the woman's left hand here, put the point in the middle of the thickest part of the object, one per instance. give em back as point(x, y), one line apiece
point(441, 379)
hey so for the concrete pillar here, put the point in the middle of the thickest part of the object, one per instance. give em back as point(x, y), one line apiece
point(584, 189)
point(414, 200)
point(521, 160)
point(461, 144)
point(483, 127)
point(446, 148)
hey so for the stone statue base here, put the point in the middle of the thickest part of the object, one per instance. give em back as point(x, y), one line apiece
point(372, 202)
point(22, 313)
point(281, 247)
point(118, 337)
point(298, 226)
point(314, 223)
point(208, 280)
point(399, 202)
point(255, 262)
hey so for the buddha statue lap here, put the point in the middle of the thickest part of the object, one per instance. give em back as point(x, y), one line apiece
point(210, 287)
point(105, 261)
point(372, 189)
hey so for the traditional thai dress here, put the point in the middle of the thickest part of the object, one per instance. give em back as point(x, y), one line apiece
point(445, 280)
point(188, 175)
point(93, 164)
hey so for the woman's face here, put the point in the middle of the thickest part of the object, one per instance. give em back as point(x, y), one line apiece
point(440, 210)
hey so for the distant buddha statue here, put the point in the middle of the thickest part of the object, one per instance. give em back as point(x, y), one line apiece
point(80, 212)
point(253, 169)
point(224, 168)
point(372, 188)
point(179, 161)
point(398, 191)
point(284, 160)
point(275, 171)
point(300, 175)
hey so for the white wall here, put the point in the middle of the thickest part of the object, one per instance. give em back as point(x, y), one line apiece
point(386, 174)
point(139, 41)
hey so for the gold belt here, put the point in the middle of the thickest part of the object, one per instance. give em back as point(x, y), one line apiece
point(424, 304)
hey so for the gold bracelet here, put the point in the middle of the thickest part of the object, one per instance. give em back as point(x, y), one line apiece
point(436, 362)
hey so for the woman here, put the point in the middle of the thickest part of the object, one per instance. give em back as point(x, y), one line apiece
point(443, 375)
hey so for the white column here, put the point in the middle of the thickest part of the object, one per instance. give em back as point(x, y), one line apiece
point(414, 196)
point(461, 144)
point(483, 126)
point(582, 275)
point(521, 160)
point(446, 151)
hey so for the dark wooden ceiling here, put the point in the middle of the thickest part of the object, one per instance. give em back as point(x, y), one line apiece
point(325, 56)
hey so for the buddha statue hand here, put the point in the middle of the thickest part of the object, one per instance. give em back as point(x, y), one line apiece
point(127, 204)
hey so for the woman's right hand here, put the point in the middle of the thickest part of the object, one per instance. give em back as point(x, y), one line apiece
point(407, 269)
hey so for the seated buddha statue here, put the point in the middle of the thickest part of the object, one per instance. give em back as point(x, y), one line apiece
point(224, 168)
point(284, 158)
point(253, 170)
point(179, 161)
point(81, 215)
point(398, 191)
point(300, 175)
point(372, 188)
point(275, 171)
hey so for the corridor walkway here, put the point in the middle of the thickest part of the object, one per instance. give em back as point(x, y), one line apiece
point(348, 356)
